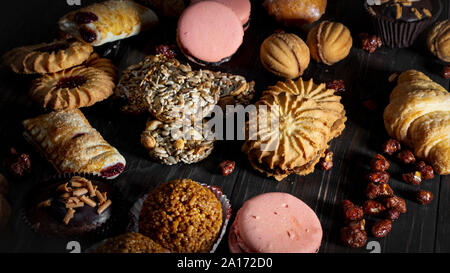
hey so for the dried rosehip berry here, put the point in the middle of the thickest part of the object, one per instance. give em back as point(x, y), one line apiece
point(378, 177)
point(414, 178)
point(381, 228)
point(166, 50)
point(351, 211)
point(379, 163)
point(85, 17)
point(406, 157)
point(374, 208)
point(19, 165)
point(424, 197)
point(374, 191)
point(425, 170)
point(227, 167)
point(446, 72)
point(337, 85)
point(370, 43)
point(353, 237)
point(370, 105)
point(392, 214)
point(396, 203)
point(391, 146)
point(326, 162)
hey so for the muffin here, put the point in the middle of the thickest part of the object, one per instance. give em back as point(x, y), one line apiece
point(182, 216)
point(71, 207)
point(399, 23)
point(130, 242)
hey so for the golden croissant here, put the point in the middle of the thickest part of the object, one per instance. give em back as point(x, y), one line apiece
point(418, 114)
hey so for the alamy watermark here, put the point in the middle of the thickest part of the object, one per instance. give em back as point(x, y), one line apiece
point(73, 2)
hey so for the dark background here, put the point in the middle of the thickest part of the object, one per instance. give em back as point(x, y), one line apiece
point(421, 229)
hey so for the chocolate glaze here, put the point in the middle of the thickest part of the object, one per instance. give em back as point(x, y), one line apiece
point(389, 9)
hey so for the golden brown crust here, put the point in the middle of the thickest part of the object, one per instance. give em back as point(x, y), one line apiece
point(329, 42)
point(419, 115)
point(130, 242)
point(438, 40)
point(47, 57)
point(70, 144)
point(307, 117)
point(182, 216)
point(103, 64)
point(295, 12)
point(73, 88)
point(285, 55)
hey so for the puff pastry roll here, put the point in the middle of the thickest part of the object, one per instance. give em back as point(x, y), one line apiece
point(418, 114)
point(69, 142)
point(108, 21)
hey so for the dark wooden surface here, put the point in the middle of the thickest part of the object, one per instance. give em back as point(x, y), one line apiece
point(421, 229)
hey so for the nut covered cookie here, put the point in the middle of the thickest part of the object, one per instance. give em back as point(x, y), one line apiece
point(47, 57)
point(173, 143)
point(130, 242)
point(181, 215)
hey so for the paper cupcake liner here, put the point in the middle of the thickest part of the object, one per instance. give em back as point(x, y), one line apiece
point(399, 34)
point(111, 227)
point(135, 210)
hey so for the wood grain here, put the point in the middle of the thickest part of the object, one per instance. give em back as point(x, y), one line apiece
point(421, 229)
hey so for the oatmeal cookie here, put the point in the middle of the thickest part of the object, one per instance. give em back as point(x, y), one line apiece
point(47, 57)
point(173, 143)
point(182, 216)
point(130, 242)
point(73, 88)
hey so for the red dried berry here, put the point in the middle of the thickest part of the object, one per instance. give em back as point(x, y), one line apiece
point(227, 167)
point(396, 203)
point(378, 177)
point(391, 146)
point(370, 43)
point(166, 50)
point(379, 163)
point(446, 72)
point(353, 237)
point(326, 162)
point(370, 105)
point(406, 157)
point(374, 208)
point(425, 170)
point(381, 228)
point(19, 165)
point(413, 178)
point(337, 85)
point(424, 197)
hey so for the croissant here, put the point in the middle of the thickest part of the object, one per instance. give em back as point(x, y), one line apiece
point(307, 116)
point(418, 114)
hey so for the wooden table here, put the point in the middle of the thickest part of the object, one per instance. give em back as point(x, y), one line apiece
point(421, 229)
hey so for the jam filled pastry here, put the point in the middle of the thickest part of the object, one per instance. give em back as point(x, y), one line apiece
point(69, 142)
point(108, 21)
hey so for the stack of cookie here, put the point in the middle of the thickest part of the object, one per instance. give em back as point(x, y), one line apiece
point(178, 99)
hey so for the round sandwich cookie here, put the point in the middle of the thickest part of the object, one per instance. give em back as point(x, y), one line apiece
point(275, 223)
point(209, 33)
point(242, 9)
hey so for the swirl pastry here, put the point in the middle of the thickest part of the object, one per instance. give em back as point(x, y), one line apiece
point(47, 57)
point(108, 21)
point(291, 136)
point(77, 87)
point(438, 40)
point(418, 114)
point(71, 145)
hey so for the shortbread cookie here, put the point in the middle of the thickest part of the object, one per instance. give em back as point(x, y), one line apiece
point(108, 21)
point(173, 143)
point(73, 88)
point(47, 57)
point(292, 135)
point(103, 64)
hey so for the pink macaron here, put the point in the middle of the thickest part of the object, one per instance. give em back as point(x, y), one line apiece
point(209, 32)
point(242, 8)
point(275, 223)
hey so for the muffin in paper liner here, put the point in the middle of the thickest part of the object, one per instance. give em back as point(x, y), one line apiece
point(400, 34)
point(135, 210)
point(115, 224)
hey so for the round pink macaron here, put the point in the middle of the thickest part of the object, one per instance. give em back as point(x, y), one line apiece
point(275, 223)
point(209, 32)
point(242, 9)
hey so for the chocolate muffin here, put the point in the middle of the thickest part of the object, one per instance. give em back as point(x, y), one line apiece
point(130, 242)
point(399, 22)
point(71, 207)
point(182, 216)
